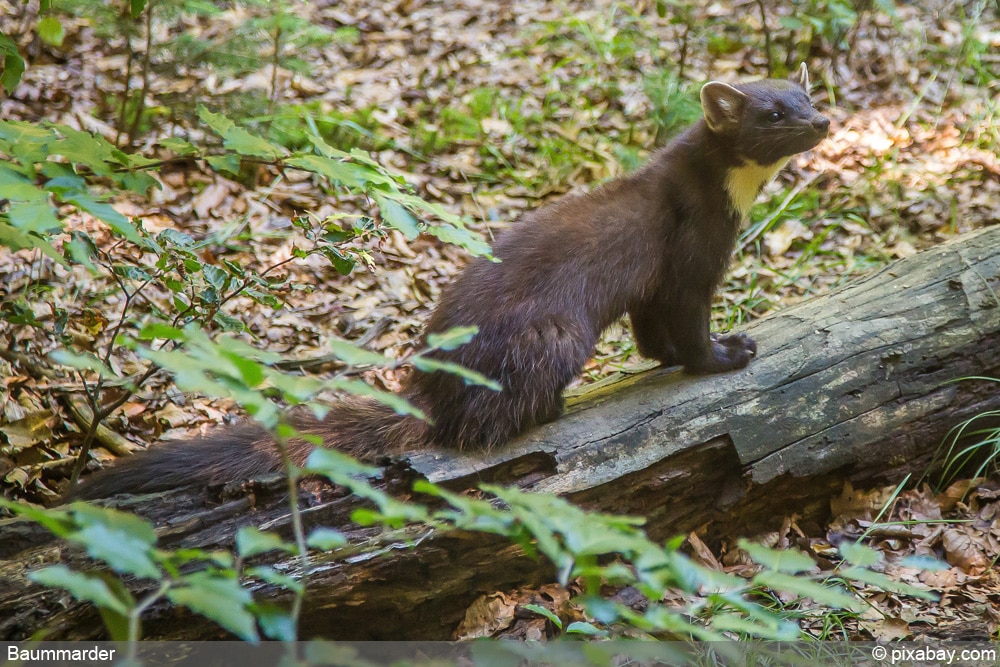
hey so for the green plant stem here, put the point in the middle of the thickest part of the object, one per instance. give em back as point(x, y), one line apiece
point(292, 479)
point(886, 507)
point(136, 613)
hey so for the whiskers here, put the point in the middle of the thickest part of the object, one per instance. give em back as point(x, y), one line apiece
point(767, 137)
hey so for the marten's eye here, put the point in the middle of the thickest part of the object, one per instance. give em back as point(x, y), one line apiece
point(775, 116)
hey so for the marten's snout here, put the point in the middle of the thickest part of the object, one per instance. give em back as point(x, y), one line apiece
point(821, 124)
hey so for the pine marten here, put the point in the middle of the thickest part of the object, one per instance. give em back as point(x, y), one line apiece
point(654, 244)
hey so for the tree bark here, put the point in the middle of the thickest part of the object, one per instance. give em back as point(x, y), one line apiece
point(860, 384)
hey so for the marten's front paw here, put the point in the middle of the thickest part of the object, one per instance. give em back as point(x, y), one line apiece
point(733, 351)
point(727, 353)
point(739, 341)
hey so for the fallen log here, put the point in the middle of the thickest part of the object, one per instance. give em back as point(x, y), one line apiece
point(860, 384)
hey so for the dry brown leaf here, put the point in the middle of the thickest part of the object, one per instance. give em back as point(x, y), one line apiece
point(206, 203)
point(486, 616)
point(887, 629)
point(779, 240)
point(28, 431)
point(962, 550)
point(956, 492)
point(702, 554)
point(859, 505)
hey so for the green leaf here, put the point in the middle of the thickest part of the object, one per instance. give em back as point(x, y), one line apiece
point(215, 276)
point(782, 631)
point(83, 587)
point(17, 188)
point(295, 388)
point(13, 69)
point(461, 237)
point(584, 628)
point(19, 132)
point(201, 367)
point(137, 527)
point(337, 171)
point(121, 551)
point(791, 23)
point(81, 248)
point(337, 465)
point(883, 582)
point(11, 172)
point(104, 211)
point(227, 164)
point(360, 388)
point(830, 596)
point(451, 338)
point(56, 521)
point(779, 560)
point(219, 598)
point(15, 239)
point(927, 563)
point(138, 182)
point(275, 578)
point(761, 616)
point(179, 146)
point(398, 217)
point(136, 7)
point(84, 361)
point(351, 354)
point(50, 29)
point(130, 272)
point(172, 237)
point(229, 324)
point(326, 539)
point(341, 262)
point(325, 149)
point(470, 377)
point(252, 542)
point(123, 541)
point(158, 330)
point(7, 45)
point(237, 139)
point(276, 623)
point(182, 556)
point(860, 555)
point(36, 217)
point(249, 371)
point(542, 611)
point(84, 148)
point(116, 623)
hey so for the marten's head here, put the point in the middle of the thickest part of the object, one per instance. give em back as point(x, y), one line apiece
point(764, 121)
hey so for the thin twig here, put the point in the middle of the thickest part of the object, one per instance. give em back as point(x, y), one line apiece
point(767, 37)
point(141, 104)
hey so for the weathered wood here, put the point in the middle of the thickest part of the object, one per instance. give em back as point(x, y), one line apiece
point(860, 384)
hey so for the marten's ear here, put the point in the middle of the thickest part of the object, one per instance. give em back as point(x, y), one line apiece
point(802, 78)
point(722, 105)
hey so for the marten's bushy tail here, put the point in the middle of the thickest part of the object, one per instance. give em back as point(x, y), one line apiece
point(363, 428)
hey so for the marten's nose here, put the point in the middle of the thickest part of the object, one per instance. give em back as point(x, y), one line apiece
point(822, 124)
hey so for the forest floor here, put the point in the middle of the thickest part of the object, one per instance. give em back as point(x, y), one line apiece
point(493, 108)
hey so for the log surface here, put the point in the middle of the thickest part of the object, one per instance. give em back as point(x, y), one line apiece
point(860, 384)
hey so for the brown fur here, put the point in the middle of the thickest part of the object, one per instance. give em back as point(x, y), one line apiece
point(654, 244)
